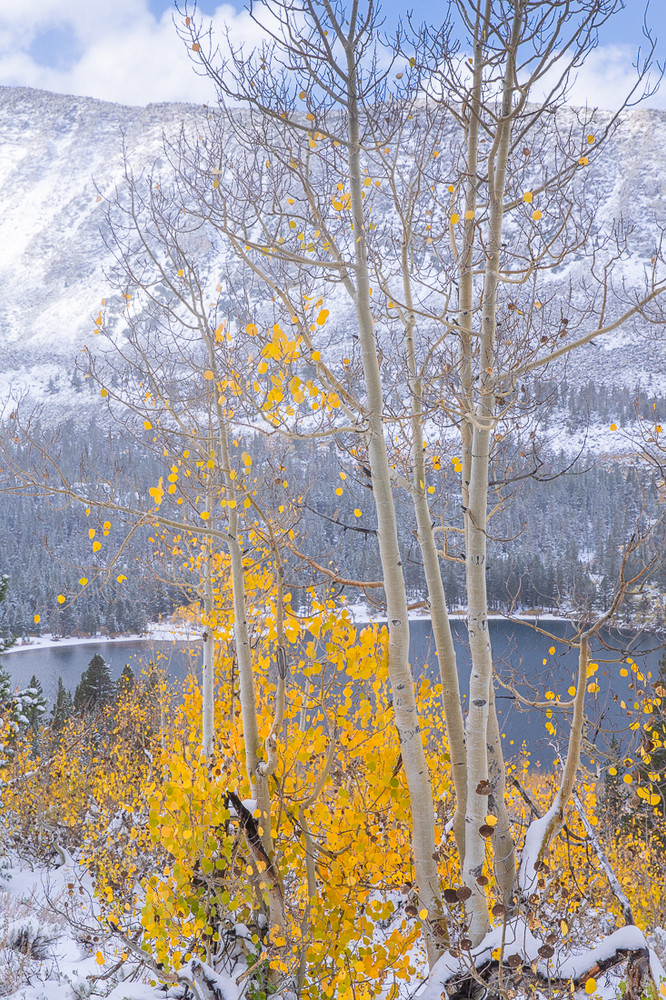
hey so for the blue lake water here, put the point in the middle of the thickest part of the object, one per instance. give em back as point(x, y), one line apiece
point(518, 649)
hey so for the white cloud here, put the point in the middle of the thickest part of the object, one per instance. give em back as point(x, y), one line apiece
point(121, 52)
point(606, 78)
point(117, 50)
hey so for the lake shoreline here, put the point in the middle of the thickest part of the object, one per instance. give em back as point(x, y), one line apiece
point(173, 633)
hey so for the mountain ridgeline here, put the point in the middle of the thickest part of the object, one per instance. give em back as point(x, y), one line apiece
point(557, 542)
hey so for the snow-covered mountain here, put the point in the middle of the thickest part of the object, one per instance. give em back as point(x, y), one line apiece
point(57, 153)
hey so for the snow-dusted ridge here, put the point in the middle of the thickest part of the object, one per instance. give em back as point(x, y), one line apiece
point(57, 152)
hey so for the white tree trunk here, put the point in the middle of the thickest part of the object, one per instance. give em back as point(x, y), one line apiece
point(402, 684)
point(208, 673)
point(439, 616)
point(481, 733)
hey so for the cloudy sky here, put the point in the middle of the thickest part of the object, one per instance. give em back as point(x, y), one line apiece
point(127, 50)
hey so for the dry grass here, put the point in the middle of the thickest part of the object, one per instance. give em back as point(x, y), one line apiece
point(28, 936)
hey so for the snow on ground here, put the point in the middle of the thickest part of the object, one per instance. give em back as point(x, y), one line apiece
point(517, 938)
point(47, 641)
point(52, 946)
point(157, 632)
point(361, 614)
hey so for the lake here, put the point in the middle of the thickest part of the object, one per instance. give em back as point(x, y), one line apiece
point(519, 650)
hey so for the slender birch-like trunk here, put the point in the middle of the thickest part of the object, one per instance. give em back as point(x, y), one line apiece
point(247, 697)
point(466, 261)
point(439, 615)
point(259, 789)
point(542, 831)
point(481, 714)
point(208, 672)
point(402, 684)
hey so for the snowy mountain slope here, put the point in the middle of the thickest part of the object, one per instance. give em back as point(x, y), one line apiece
point(56, 152)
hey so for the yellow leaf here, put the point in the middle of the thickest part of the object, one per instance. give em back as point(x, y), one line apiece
point(121, 578)
point(322, 317)
point(613, 427)
point(204, 515)
point(251, 329)
point(536, 215)
point(147, 425)
point(83, 581)
point(91, 532)
point(208, 375)
point(60, 598)
point(423, 913)
point(590, 139)
point(180, 272)
point(357, 512)
point(37, 619)
point(96, 546)
point(455, 218)
point(564, 927)
point(552, 651)
point(527, 197)
point(99, 958)
point(103, 393)
point(591, 986)
point(316, 355)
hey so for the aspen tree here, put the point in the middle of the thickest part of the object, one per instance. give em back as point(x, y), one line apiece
point(512, 162)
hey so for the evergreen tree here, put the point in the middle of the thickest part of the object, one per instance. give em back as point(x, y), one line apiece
point(6, 640)
point(31, 704)
point(95, 688)
point(63, 707)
